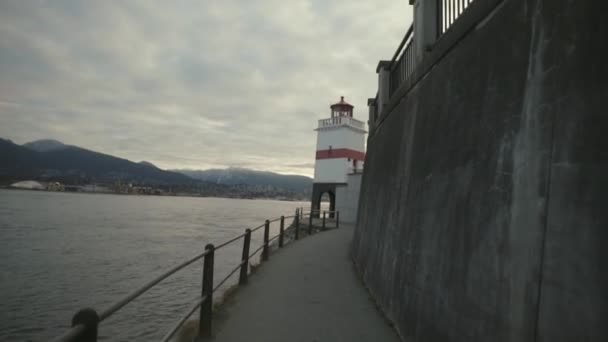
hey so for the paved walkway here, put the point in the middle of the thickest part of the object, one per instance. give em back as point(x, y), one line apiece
point(306, 292)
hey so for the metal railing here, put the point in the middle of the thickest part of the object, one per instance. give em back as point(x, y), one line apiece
point(341, 120)
point(403, 62)
point(418, 52)
point(447, 13)
point(374, 103)
point(85, 323)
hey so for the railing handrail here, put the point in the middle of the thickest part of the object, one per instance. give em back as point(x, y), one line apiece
point(341, 120)
point(340, 117)
point(132, 296)
point(402, 45)
point(181, 322)
point(402, 63)
point(448, 12)
point(407, 58)
point(320, 210)
point(82, 326)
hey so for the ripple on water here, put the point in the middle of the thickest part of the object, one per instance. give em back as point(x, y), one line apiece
point(61, 252)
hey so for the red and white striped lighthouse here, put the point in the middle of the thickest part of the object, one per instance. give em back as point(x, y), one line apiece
point(340, 151)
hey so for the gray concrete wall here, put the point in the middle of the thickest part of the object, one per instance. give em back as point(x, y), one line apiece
point(347, 198)
point(483, 213)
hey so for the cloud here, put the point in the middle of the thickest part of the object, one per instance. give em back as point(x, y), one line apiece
point(190, 84)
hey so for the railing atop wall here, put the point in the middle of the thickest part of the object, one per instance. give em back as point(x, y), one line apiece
point(85, 322)
point(406, 58)
point(447, 13)
point(403, 62)
point(375, 108)
point(439, 25)
point(341, 120)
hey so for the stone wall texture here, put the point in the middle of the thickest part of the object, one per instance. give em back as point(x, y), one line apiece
point(483, 213)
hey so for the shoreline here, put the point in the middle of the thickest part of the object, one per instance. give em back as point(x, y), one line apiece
point(152, 195)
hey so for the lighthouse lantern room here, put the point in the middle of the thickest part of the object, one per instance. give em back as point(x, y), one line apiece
point(340, 151)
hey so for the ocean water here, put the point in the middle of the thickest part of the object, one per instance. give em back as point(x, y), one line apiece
point(60, 252)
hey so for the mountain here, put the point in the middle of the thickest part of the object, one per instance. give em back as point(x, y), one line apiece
point(45, 145)
point(17, 160)
point(53, 160)
point(240, 176)
point(143, 162)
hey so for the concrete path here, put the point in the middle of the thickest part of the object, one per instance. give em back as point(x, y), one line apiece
point(306, 292)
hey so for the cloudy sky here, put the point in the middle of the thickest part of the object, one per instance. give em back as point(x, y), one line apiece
point(190, 84)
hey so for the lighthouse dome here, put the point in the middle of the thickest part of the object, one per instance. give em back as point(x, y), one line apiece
point(341, 108)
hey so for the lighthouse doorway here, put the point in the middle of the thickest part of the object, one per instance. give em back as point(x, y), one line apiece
point(327, 202)
point(323, 199)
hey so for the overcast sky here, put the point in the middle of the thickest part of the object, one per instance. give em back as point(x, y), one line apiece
point(191, 84)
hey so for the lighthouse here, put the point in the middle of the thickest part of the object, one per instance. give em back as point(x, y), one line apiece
point(340, 153)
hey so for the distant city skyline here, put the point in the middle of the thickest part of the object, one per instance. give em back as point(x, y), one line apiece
point(190, 84)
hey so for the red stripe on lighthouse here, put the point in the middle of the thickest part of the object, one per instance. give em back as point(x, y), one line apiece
point(340, 153)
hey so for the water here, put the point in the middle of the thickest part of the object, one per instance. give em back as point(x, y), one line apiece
point(60, 252)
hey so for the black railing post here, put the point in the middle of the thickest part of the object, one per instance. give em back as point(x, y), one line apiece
point(245, 258)
point(297, 224)
point(323, 219)
point(205, 316)
point(337, 219)
point(310, 223)
point(266, 233)
point(439, 18)
point(89, 318)
point(281, 231)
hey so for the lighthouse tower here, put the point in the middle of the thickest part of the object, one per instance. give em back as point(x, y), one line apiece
point(340, 152)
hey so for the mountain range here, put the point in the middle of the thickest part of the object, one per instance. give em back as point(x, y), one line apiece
point(54, 161)
point(241, 176)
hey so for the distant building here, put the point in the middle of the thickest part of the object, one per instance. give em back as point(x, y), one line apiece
point(28, 185)
point(55, 186)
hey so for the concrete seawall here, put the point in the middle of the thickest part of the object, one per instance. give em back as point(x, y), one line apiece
point(482, 214)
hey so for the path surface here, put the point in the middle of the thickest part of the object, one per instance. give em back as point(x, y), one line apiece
point(306, 292)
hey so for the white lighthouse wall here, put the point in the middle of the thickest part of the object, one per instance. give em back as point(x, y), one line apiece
point(340, 137)
point(331, 170)
point(347, 198)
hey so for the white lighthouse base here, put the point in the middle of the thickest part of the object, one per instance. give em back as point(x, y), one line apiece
point(347, 198)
